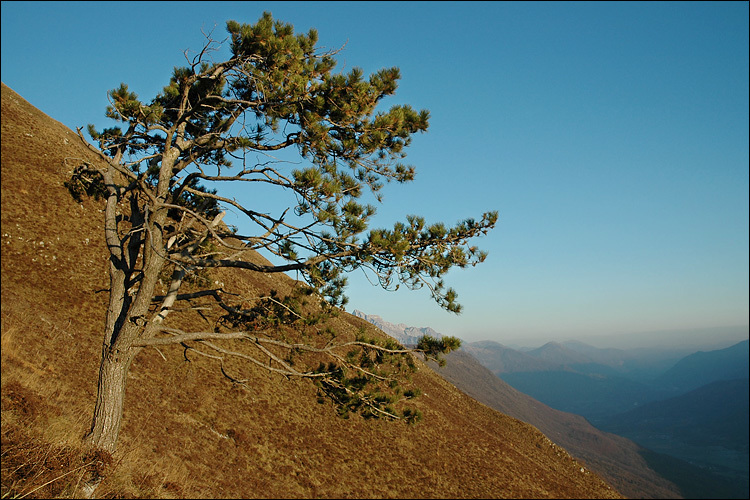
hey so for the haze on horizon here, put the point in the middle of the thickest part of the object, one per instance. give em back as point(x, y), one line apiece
point(693, 339)
point(696, 339)
point(611, 137)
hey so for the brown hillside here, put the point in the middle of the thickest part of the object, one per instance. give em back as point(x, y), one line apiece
point(187, 431)
point(615, 458)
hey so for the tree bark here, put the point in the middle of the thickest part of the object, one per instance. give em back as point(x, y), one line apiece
point(113, 375)
point(126, 322)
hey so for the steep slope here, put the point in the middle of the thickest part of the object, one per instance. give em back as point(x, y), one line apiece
point(188, 432)
point(615, 458)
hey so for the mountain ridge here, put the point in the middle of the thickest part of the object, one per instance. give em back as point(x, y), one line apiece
point(704, 367)
point(407, 335)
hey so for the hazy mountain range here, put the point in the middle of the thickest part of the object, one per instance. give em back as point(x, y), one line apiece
point(693, 408)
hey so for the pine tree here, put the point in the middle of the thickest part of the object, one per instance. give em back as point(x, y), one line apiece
point(165, 168)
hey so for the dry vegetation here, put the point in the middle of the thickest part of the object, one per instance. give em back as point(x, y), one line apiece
point(188, 432)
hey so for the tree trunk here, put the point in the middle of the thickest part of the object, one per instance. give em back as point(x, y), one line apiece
point(113, 375)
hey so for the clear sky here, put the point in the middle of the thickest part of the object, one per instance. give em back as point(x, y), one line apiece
point(612, 138)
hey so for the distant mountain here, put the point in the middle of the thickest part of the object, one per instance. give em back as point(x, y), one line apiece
point(407, 335)
point(633, 392)
point(592, 384)
point(641, 364)
point(591, 395)
point(692, 339)
point(599, 383)
point(716, 414)
point(597, 362)
point(501, 359)
point(605, 355)
point(557, 354)
point(704, 367)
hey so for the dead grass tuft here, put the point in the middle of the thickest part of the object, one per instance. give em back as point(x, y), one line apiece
point(35, 468)
point(19, 399)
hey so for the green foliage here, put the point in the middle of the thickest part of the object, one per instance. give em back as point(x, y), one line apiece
point(411, 416)
point(412, 393)
point(278, 90)
point(364, 395)
point(369, 380)
point(412, 251)
point(433, 348)
point(274, 311)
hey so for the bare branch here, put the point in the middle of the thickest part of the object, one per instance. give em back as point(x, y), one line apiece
point(180, 336)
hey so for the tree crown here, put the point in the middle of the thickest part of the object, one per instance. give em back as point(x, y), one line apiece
point(278, 91)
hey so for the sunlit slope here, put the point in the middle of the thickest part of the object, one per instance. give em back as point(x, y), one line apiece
point(187, 431)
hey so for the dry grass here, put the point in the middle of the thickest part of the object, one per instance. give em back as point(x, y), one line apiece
point(187, 431)
point(41, 454)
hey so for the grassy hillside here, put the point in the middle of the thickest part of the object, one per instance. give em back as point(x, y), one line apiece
point(187, 431)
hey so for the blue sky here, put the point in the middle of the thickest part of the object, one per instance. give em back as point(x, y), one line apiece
point(612, 138)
